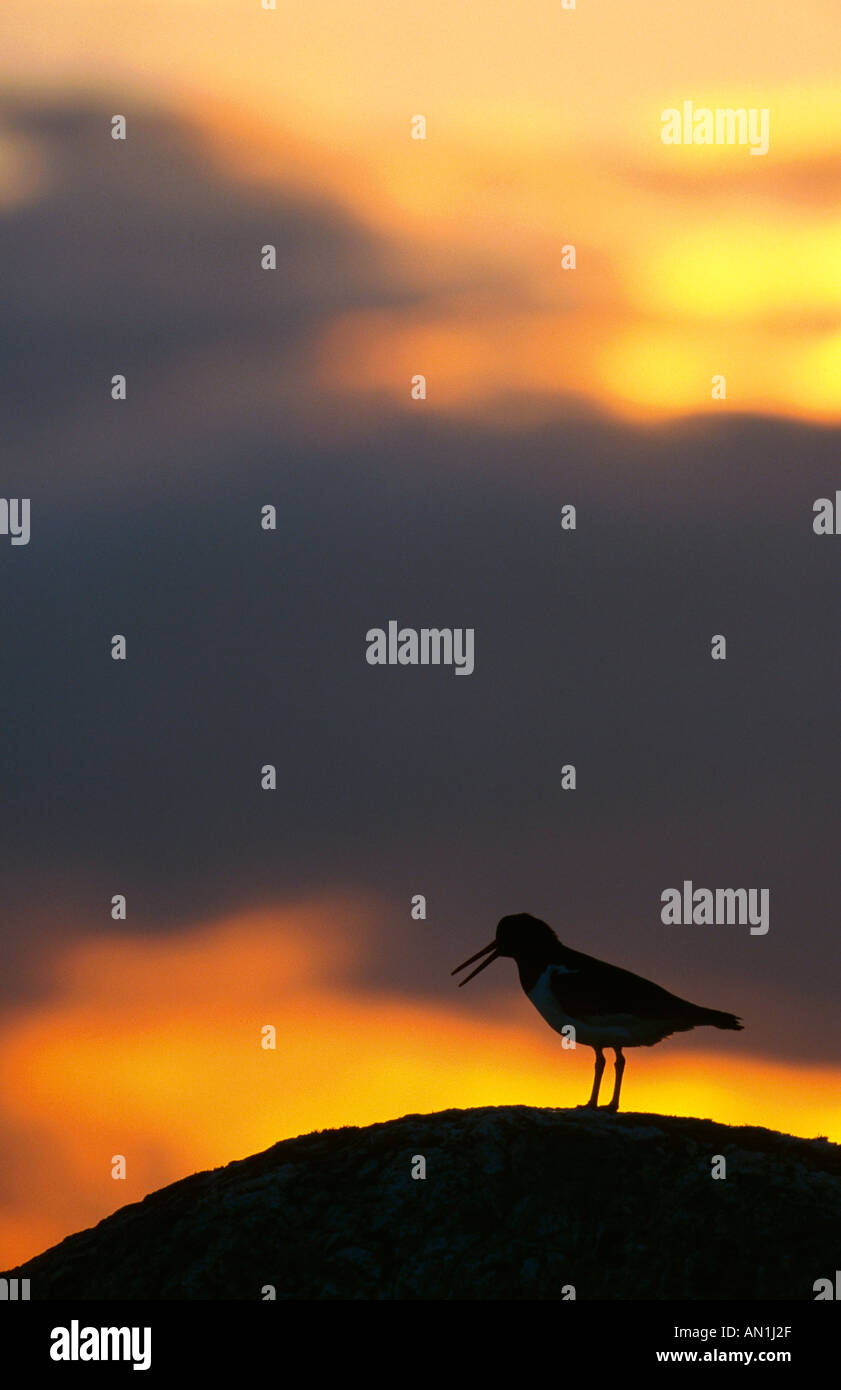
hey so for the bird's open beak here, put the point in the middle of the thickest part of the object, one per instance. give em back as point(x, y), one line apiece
point(484, 952)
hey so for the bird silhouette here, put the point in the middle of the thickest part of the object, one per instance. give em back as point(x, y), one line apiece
point(606, 1006)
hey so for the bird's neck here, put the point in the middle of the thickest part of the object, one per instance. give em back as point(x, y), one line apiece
point(532, 967)
point(530, 972)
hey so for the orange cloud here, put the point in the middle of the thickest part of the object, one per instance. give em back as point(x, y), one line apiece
point(690, 260)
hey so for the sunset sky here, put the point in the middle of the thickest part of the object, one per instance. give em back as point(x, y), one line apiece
point(546, 386)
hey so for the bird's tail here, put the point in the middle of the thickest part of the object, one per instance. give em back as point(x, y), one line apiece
point(716, 1019)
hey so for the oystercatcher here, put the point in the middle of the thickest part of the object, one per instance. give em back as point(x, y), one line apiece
point(607, 1006)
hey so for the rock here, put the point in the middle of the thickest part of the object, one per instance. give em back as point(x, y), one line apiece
point(517, 1203)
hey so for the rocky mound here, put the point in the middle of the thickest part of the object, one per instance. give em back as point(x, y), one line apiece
point(517, 1203)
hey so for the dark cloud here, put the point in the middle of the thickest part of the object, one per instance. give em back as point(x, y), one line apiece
point(247, 647)
point(138, 257)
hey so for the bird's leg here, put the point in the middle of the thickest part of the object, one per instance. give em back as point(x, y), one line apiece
point(613, 1103)
point(593, 1102)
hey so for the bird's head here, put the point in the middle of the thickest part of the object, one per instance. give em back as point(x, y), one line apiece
point(520, 936)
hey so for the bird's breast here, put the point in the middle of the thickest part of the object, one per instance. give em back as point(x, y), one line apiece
point(558, 1008)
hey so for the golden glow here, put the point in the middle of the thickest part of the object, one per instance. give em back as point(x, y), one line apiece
point(151, 1048)
point(816, 377)
point(745, 271)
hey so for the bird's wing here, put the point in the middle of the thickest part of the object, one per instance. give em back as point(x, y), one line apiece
point(589, 989)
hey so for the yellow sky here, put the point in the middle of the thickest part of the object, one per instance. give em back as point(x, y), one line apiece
point(329, 60)
point(543, 130)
